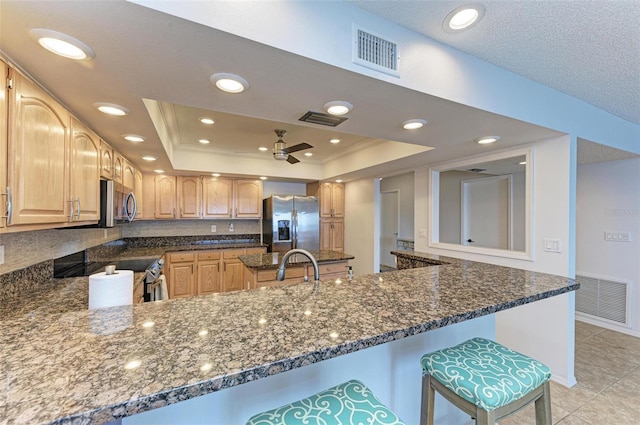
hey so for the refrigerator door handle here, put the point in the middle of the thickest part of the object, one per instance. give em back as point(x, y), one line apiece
point(294, 229)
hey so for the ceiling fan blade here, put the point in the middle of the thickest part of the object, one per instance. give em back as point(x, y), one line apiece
point(292, 159)
point(299, 147)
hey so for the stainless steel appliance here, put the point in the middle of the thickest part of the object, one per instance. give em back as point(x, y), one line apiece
point(290, 222)
point(117, 204)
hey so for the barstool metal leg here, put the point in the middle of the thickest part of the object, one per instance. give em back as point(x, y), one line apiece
point(543, 406)
point(426, 405)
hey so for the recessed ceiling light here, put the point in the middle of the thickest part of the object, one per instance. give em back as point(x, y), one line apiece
point(263, 177)
point(158, 171)
point(463, 17)
point(62, 44)
point(413, 124)
point(229, 83)
point(207, 121)
point(334, 141)
point(215, 174)
point(203, 141)
point(308, 154)
point(133, 138)
point(338, 107)
point(522, 163)
point(488, 139)
point(263, 148)
point(339, 181)
point(111, 108)
point(149, 158)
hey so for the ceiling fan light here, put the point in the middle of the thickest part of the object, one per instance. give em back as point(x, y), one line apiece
point(338, 107)
point(229, 83)
point(62, 44)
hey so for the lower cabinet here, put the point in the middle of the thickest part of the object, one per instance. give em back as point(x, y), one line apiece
point(332, 234)
point(192, 273)
point(296, 274)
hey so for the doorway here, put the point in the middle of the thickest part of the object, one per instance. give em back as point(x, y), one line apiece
point(389, 233)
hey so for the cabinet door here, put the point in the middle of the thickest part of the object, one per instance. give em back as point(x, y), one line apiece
point(324, 198)
point(138, 191)
point(106, 160)
point(337, 235)
point(217, 197)
point(84, 165)
point(165, 205)
point(325, 234)
point(4, 117)
point(337, 199)
point(189, 197)
point(118, 167)
point(248, 198)
point(208, 277)
point(128, 176)
point(37, 148)
point(181, 280)
point(233, 275)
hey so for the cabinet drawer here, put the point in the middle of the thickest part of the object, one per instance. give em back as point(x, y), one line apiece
point(180, 257)
point(256, 251)
point(332, 268)
point(209, 255)
point(232, 253)
point(266, 275)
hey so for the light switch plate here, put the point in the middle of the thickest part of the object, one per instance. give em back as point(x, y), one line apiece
point(617, 236)
point(1, 254)
point(422, 233)
point(213, 228)
point(231, 227)
point(552, 245)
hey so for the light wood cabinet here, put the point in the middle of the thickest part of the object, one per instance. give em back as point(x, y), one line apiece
point(296, 274)
point(192, 273)
point(4, 119)
point(38, 145)
point(118, 167)
point(217, 197)
point(128, 176)
point(189, 197)
point(165, 197)
point(106, 160)
point(84, 181)
point(330, 197)
point(332, 234)
point(247, 198)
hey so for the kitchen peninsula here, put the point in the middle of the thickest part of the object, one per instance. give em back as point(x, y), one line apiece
point(220, 358)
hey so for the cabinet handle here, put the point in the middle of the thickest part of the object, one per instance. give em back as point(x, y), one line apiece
point(174, 213)
point(181, 215)
point(78, 213)
point(9, 205)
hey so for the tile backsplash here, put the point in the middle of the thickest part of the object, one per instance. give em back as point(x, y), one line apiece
point(190, 228)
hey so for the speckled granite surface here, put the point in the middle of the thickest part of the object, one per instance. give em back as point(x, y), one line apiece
point(272, 259)
point(414, 260)
point(64, 364)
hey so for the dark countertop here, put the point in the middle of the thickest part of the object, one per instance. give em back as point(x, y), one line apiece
point(271, 260)
point(65, 364)
point(159, 251)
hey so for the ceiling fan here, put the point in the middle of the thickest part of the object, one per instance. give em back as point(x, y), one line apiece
point(281, 151)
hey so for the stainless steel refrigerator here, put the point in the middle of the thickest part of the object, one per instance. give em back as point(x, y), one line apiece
point(291, 221)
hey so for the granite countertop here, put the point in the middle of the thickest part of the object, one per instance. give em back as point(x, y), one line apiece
point(271, 260)
point(159, 251)
point(73, 365)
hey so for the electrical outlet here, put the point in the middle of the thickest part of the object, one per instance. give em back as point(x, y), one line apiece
point(213, 228)
point(422, 233)
point(231, 227)
point(617, 236)
point(1, 254)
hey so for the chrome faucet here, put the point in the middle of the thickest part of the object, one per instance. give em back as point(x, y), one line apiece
point(285, 258)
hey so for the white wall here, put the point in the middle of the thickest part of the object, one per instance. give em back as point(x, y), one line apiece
point(361, 225)
point(608, 200)
point(283, 188)
point(404, 185)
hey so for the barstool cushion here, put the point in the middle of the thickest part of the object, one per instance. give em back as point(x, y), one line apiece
point(485, 373)
point(348, 403)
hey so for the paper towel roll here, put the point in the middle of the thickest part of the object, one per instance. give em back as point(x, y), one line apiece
point(109, 290)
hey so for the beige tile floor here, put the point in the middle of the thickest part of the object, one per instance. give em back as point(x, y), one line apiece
point(607, 368)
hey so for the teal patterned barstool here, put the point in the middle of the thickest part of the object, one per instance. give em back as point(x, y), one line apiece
point(486, 380)
point(345, 404)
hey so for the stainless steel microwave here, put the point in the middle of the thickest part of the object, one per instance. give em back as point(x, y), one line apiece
point(117, 204)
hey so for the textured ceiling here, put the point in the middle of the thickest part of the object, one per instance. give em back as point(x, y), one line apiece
point(587, 49)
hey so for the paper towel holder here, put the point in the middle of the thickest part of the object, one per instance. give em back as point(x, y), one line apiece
point(110, 269)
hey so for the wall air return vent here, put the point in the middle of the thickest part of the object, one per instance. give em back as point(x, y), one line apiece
point(602, 299)
point(322, 119)
point(374, 52)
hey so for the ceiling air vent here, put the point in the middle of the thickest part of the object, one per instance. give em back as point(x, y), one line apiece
point(322, 119)
point(375, 52)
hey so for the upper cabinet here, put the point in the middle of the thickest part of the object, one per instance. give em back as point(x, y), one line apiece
point(106, 160)
point(138, 191)
point(217, 197)
point(128, 176)
point(118, 167)
point(84, 173)
point(330, 196)
point(38, 176)
point(4, 117)
point(247, 198)
point(190, 197)
point(165, 204)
